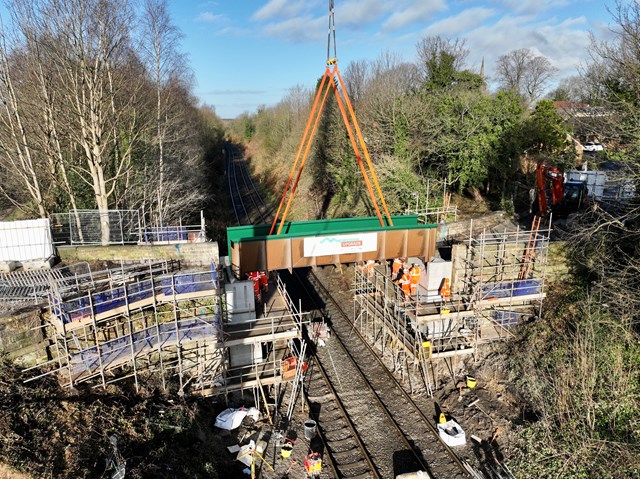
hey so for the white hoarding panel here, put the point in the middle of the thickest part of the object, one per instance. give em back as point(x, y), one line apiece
point(437, 270)
point(28, 240)
point(340, 244)
point(241, 303)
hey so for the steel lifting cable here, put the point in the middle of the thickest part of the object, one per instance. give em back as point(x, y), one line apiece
point(332, 28)
point(329, 81)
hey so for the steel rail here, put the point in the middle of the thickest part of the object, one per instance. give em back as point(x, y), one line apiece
point(461, 465)
point(407, 443)
point(236, 204)
point(333, 463)
point(253, 193)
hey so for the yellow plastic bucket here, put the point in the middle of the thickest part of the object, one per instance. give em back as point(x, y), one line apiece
point(285, 451)
point(471, 382)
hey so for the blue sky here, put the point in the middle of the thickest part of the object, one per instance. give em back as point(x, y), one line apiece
point(247, 53)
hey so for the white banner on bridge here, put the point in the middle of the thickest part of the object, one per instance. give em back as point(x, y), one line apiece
point(340, 244)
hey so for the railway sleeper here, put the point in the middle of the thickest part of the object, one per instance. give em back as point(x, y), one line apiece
point(337, 434)
point(354, 470)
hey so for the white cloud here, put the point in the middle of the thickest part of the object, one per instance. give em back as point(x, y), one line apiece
point(209, 17)
point(361, 12)
point(535, 6)
point(279, 8)
point(565, 43)
point(298, 29)
point(461, 23)
point(414, 11)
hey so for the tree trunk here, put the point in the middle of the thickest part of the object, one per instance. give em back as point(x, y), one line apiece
point(477, 196)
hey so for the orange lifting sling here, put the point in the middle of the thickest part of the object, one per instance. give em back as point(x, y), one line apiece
point(328, 82)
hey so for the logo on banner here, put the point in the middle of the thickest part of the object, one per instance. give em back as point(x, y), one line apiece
point(340, 244)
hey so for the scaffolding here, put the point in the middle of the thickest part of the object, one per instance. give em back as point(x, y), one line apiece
point(32, 287)
point(170, 328)
point(433, 208)
point(497, 279)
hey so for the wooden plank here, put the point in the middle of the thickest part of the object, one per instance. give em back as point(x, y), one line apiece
point(262, 338)
point(270, 380)
point(514, 301)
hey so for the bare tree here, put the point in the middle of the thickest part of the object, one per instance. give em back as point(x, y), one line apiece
point(160, 47)
point(391, 80)
point(525, 73)
point(615, 70)
point(84, 114)
point(17, 152)
point(88, 42)
point(356, 76)
point(606, 241)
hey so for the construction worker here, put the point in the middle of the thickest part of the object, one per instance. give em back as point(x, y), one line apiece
point(264, 281)
point(414, 275)
point(445, 289)
point(405, 283)
point(396, 267)
point(255, 277)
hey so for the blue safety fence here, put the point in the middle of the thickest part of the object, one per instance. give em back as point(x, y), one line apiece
point(169, 286)
point(506, 318)
point(511, 288)
point(119, 351)
point(165, 233)
point(188, 283)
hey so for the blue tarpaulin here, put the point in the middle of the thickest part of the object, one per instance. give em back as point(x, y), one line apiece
point(506, 318)
point(119, 296)
point(511, 288)
point(165, 233)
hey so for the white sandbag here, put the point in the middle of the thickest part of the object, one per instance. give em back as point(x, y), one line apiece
point(414, 475)
point(253, 413)
point(230, 418)
point(452, 433)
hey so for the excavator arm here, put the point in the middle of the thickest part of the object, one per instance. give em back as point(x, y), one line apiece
point(550, 185)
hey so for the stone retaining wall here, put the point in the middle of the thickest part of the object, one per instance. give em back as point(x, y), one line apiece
point(191, 254)
point(21, 338)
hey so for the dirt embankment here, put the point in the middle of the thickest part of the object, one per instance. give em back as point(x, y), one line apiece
point(7, 473)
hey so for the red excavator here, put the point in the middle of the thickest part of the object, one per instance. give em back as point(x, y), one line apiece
point(565, 197)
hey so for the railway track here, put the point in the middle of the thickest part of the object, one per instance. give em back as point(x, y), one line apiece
point(248, 204)
point(369, 426)
point(345, 453)
point(395, 432)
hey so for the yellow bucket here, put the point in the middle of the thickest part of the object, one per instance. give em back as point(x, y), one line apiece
point(471, 382)
point(285, 451)
point(445, 311)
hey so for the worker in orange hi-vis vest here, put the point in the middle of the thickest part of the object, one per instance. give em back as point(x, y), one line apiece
point(445, 289)
point(414, 275)
point(405, 284)
point(395, 267)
